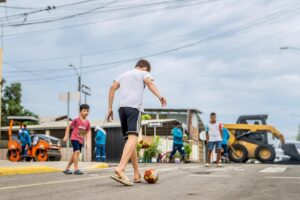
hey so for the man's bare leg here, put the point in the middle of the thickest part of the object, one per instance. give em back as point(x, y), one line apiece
point(128, 150)
point(76, 157)
point(218, 156)
point(135, 165)
point(70, 162)
point(209, 156)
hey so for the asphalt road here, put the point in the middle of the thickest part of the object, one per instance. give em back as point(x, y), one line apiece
point(247, 181)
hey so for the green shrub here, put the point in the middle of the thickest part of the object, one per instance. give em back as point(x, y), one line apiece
point(152, 151)
point(146, 117)
point(188, 149)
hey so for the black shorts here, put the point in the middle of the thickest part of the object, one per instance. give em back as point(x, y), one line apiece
point(130, 121)
point(76, 145)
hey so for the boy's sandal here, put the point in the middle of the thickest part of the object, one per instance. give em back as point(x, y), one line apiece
point(219, 165)
point(122, 180)
point(78, 172)
point(67, 171)
point(138, 180)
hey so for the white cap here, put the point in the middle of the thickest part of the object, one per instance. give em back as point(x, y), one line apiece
point(99, 128)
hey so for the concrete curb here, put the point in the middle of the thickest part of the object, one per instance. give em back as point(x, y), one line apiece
point(6, 171)
point(97, 166)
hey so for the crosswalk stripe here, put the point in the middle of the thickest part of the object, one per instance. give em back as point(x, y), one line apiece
point(273, 170)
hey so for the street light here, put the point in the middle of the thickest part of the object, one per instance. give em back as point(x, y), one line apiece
point(73, 67)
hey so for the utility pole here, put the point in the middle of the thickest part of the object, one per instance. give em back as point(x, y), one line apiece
point(67, 97)
point(1, 63)
point(1, 81)
point(79, 83)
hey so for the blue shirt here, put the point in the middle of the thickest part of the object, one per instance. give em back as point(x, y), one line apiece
point(226, 136)
point(177, 135)
point(100, 138)
point(25, 137)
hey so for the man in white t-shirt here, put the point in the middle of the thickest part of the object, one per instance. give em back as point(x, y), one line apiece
point(214, 138)
point(131, 85)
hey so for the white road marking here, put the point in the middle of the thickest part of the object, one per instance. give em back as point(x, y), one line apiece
point(84, 179)
point(209, 175)
point(51, 183)
point(283, 177)
point(273, 170)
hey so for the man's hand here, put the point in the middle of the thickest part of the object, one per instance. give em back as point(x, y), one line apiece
point(110, 115)
point(163, 101)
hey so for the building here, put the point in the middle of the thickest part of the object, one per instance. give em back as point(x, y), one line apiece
point(165, 118)
point(191, 123)
point(56, 127)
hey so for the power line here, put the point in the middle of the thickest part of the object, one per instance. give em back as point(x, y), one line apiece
point(17, 7)
point(45, 78)
point(142, 12)
point(227, 33)
point(44, 9)
point(63, 18)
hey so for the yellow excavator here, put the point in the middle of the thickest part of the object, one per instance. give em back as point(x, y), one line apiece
point(249, 139)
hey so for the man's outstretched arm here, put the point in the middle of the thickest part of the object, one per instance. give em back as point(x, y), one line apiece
point(115, 86)
point(155, 91)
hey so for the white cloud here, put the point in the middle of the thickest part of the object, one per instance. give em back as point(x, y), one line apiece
point(241, 74)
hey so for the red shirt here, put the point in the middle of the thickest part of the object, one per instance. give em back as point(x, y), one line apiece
point(80, 129)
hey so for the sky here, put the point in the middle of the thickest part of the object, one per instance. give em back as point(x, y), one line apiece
point(218, 56)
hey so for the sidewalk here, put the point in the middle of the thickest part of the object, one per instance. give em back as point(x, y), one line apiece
point(13, 168)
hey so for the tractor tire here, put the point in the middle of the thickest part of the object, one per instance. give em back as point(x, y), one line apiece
point(41, 155)
point(14, 155)
point(238, 153)
point(265, 153)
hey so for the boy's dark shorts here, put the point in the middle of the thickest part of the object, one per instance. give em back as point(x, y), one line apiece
point(76, 145)
point(130, 121)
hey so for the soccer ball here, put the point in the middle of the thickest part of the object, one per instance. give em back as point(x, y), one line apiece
point(151, 176)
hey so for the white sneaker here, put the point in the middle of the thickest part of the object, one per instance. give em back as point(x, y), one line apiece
point(219, 165)
point(207, 165)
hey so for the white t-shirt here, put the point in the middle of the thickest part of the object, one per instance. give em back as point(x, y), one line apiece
point(132, 88)
point(213, 131)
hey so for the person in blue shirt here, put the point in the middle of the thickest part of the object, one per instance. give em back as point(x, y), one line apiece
point(100, 141)
point(25, 140)
point(225, 139)
point(177, 141)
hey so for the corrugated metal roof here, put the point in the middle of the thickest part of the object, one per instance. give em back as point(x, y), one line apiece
point(63, 124)
point(23, 118)
point(172, 110)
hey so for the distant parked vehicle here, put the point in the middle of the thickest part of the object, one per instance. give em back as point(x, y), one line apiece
point(53, 150)
point(43, 147)
point(280, 155)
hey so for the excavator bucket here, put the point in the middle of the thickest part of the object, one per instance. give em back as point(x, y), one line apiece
point(291, 150)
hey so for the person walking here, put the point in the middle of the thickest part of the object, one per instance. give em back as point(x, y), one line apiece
point(214, 138)
point(177, 142)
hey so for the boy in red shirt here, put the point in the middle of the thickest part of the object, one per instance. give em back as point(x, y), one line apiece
point(81, 127)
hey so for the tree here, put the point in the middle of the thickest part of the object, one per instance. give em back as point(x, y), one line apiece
point(146, 117)
point(11, 102)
